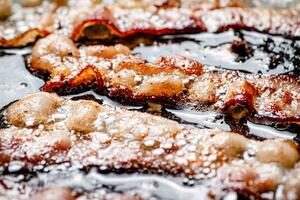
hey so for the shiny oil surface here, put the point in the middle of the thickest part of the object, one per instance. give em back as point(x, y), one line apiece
point(270, 55)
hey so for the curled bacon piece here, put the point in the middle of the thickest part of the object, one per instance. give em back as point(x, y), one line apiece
point(175, 82)
point(105, 23)
point(116, 21)
point(45, 129)
point(84, 19)
point(121, 20)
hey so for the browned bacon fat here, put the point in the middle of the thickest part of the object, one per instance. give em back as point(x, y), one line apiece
point(22, 25)
point(45, 129)
point(176, 81)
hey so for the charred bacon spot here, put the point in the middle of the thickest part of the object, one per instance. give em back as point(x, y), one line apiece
point(242, 48)
point(97, 32)
point(237, 111)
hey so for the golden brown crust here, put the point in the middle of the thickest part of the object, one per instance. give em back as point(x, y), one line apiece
point(167, 17)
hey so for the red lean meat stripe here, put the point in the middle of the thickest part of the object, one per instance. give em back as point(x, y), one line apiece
point(176, 81)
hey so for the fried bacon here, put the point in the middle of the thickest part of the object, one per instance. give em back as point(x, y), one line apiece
point(119, 21)
point(122, 20)
point(174, 82)
point(278, 22)
point(25, 24)
point(32, 19)
point(45, 129)
point(21, 28)
point(36, 19)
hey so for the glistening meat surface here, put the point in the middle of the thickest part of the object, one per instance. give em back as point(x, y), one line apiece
point(213, 16)
point(45, 129)
point(23, 22)
point(174, 82)
point(106, 20)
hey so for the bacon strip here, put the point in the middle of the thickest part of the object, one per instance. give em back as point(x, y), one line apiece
point(106, 22)
point(46, 129)
point(120, 20)
point(278, 22)
point(116, 21)
point(175, 82)
point(25, 25)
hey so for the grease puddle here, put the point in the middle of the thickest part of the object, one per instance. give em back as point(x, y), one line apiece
point(15, 80)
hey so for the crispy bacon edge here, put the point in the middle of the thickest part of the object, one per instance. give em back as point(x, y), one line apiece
point(235, 17)
point(103, 17)
point(24, 38)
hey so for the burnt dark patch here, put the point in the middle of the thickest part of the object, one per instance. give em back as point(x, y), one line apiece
point(242, 48)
